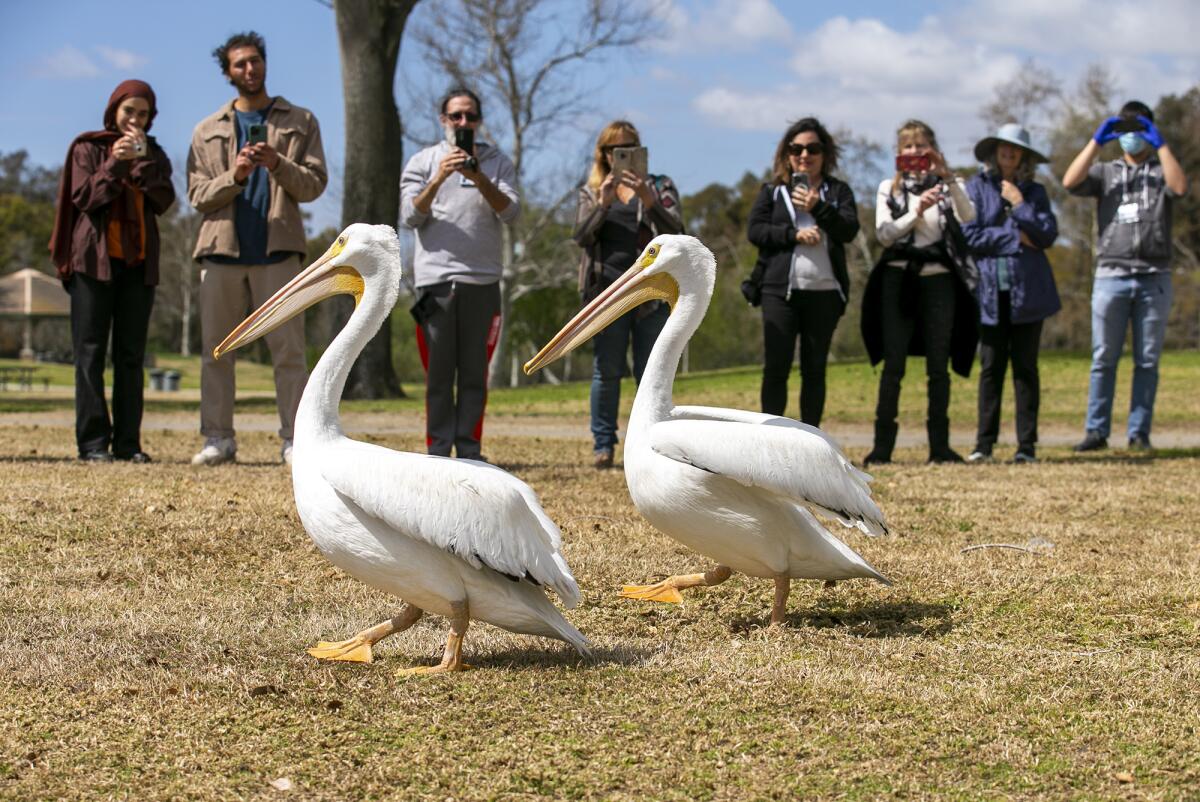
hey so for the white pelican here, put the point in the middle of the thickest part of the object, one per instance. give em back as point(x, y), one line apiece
point(459, 538)
point(731, 485)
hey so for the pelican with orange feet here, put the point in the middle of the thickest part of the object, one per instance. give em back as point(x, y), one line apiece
point(457, 538)
point(737, 487)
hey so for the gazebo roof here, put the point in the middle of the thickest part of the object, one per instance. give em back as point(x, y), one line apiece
point(32, 293)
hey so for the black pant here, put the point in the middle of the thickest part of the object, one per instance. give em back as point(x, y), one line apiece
point(812, 315)
point(121, 306)
point(1020, 341)
point(456, 342)
point(935, 302)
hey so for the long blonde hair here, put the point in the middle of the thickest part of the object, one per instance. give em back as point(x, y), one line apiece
point(617, 129)
point(905, 134)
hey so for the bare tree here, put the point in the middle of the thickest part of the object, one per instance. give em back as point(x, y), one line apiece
point(526, 55)
point(369, 36)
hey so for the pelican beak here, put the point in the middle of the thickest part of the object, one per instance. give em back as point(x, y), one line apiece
point(632, 289)
point(320, 280)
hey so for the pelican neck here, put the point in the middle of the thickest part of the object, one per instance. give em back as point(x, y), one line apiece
point(654, 399)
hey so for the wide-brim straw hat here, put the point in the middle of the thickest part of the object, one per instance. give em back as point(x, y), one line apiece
point(1013, 134)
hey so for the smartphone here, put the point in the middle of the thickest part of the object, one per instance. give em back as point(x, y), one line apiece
point(635, 160)
point(465, 138)
point(256, 133)
point(913, 163)
point(141, 148)
point(799, 180)
point(1129, 126)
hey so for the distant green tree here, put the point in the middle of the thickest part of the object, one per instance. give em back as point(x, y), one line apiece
point(27, 195)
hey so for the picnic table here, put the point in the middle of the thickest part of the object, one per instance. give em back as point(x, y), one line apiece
point(20, 375)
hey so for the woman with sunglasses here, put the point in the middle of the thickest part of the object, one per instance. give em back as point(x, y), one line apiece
point(616, 218)
point(801, 222)
point(918, 298)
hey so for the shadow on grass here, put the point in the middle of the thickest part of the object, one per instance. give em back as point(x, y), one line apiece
point(524, 659)
point(1122, 457)
point(875, 619)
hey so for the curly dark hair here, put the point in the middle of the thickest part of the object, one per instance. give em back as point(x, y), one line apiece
point(782, 170)
point(244, 39)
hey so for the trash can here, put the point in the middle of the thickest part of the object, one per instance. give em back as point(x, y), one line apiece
point(156, 378)
point(171, 380)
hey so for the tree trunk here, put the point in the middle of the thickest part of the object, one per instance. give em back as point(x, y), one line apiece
point(369, 34)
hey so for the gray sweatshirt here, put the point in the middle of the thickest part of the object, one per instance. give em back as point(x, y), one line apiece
point(461, 237)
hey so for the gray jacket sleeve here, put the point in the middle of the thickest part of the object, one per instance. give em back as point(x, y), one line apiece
point(506, 182)
point(414, 178)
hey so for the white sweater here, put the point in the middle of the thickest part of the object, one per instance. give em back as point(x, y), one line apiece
point(927, 228)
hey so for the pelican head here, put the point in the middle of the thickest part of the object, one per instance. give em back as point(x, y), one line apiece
point(674, 268)
point(362, 256)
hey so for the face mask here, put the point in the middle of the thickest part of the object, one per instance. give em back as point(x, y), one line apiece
point(1132, 143)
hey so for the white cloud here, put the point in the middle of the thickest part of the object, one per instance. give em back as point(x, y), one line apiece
point(729, 24)
point(1099, 29)
point(66, 63)
point(123, 60)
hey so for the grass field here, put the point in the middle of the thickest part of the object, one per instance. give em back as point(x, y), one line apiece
point(154, 620)
point(852, 389)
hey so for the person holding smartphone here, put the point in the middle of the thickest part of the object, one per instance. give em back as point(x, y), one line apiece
point(457, 196)
point(1135, 197)
point(801, 222)
point(621, 208)
point(250, 166)
point(115, 183)
point(919, 297)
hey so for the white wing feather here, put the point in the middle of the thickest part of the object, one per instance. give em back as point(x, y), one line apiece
point(475, 511)
point(779, 454)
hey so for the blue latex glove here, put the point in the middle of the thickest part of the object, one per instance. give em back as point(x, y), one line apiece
point(1106, 133)
point(1151, 134)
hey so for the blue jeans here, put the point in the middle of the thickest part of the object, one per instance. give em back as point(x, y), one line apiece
point(609, 365)
point(1144, 299)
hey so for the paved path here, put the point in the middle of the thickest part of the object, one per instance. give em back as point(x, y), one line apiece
point(854, 436)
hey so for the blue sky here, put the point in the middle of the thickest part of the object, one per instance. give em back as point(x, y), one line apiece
point(710, 95)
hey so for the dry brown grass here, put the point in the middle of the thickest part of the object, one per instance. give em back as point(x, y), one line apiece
point(154, 620)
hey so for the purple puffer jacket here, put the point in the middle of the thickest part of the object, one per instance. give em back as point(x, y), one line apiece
point(996, 231)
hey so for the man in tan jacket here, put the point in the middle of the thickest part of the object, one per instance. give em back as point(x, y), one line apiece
point(249, 167)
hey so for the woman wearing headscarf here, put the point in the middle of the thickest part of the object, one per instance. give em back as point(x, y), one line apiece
point(115, 183)
point(1013, 227)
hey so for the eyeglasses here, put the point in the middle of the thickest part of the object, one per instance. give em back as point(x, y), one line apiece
point(813, 148)
point(465, 116)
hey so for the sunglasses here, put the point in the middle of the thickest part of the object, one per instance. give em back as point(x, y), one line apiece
point(611, 148)
point(466, 116)
point(813, 148)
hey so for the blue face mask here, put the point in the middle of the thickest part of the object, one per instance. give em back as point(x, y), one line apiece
point(1132, 143)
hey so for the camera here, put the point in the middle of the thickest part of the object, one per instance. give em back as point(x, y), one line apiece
point(1129, 126)
point(464, 138)
point(799, 180)
point(140, 148)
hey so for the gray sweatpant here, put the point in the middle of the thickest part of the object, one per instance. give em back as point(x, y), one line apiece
point(456, 341)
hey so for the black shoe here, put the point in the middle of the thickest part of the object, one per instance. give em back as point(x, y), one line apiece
point(1091, 442)
point(945, 454)
point(138, 457)
point(876, 458)
point(98, 455)
point(1140, 442)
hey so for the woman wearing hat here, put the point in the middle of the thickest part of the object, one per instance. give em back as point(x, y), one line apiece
point(115, 183)
point(1013, 227)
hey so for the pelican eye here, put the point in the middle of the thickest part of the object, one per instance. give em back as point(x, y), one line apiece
point(341, 241)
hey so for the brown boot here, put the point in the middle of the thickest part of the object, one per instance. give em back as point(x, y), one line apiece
point(602, 459)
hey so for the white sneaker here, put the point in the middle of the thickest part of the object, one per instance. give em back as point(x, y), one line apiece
point(285, 452)
point(979, 457)
point(216, 451)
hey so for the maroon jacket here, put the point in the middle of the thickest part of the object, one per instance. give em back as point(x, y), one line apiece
point(96, 182)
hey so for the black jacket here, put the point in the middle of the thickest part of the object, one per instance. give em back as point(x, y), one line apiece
point(774, 232)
